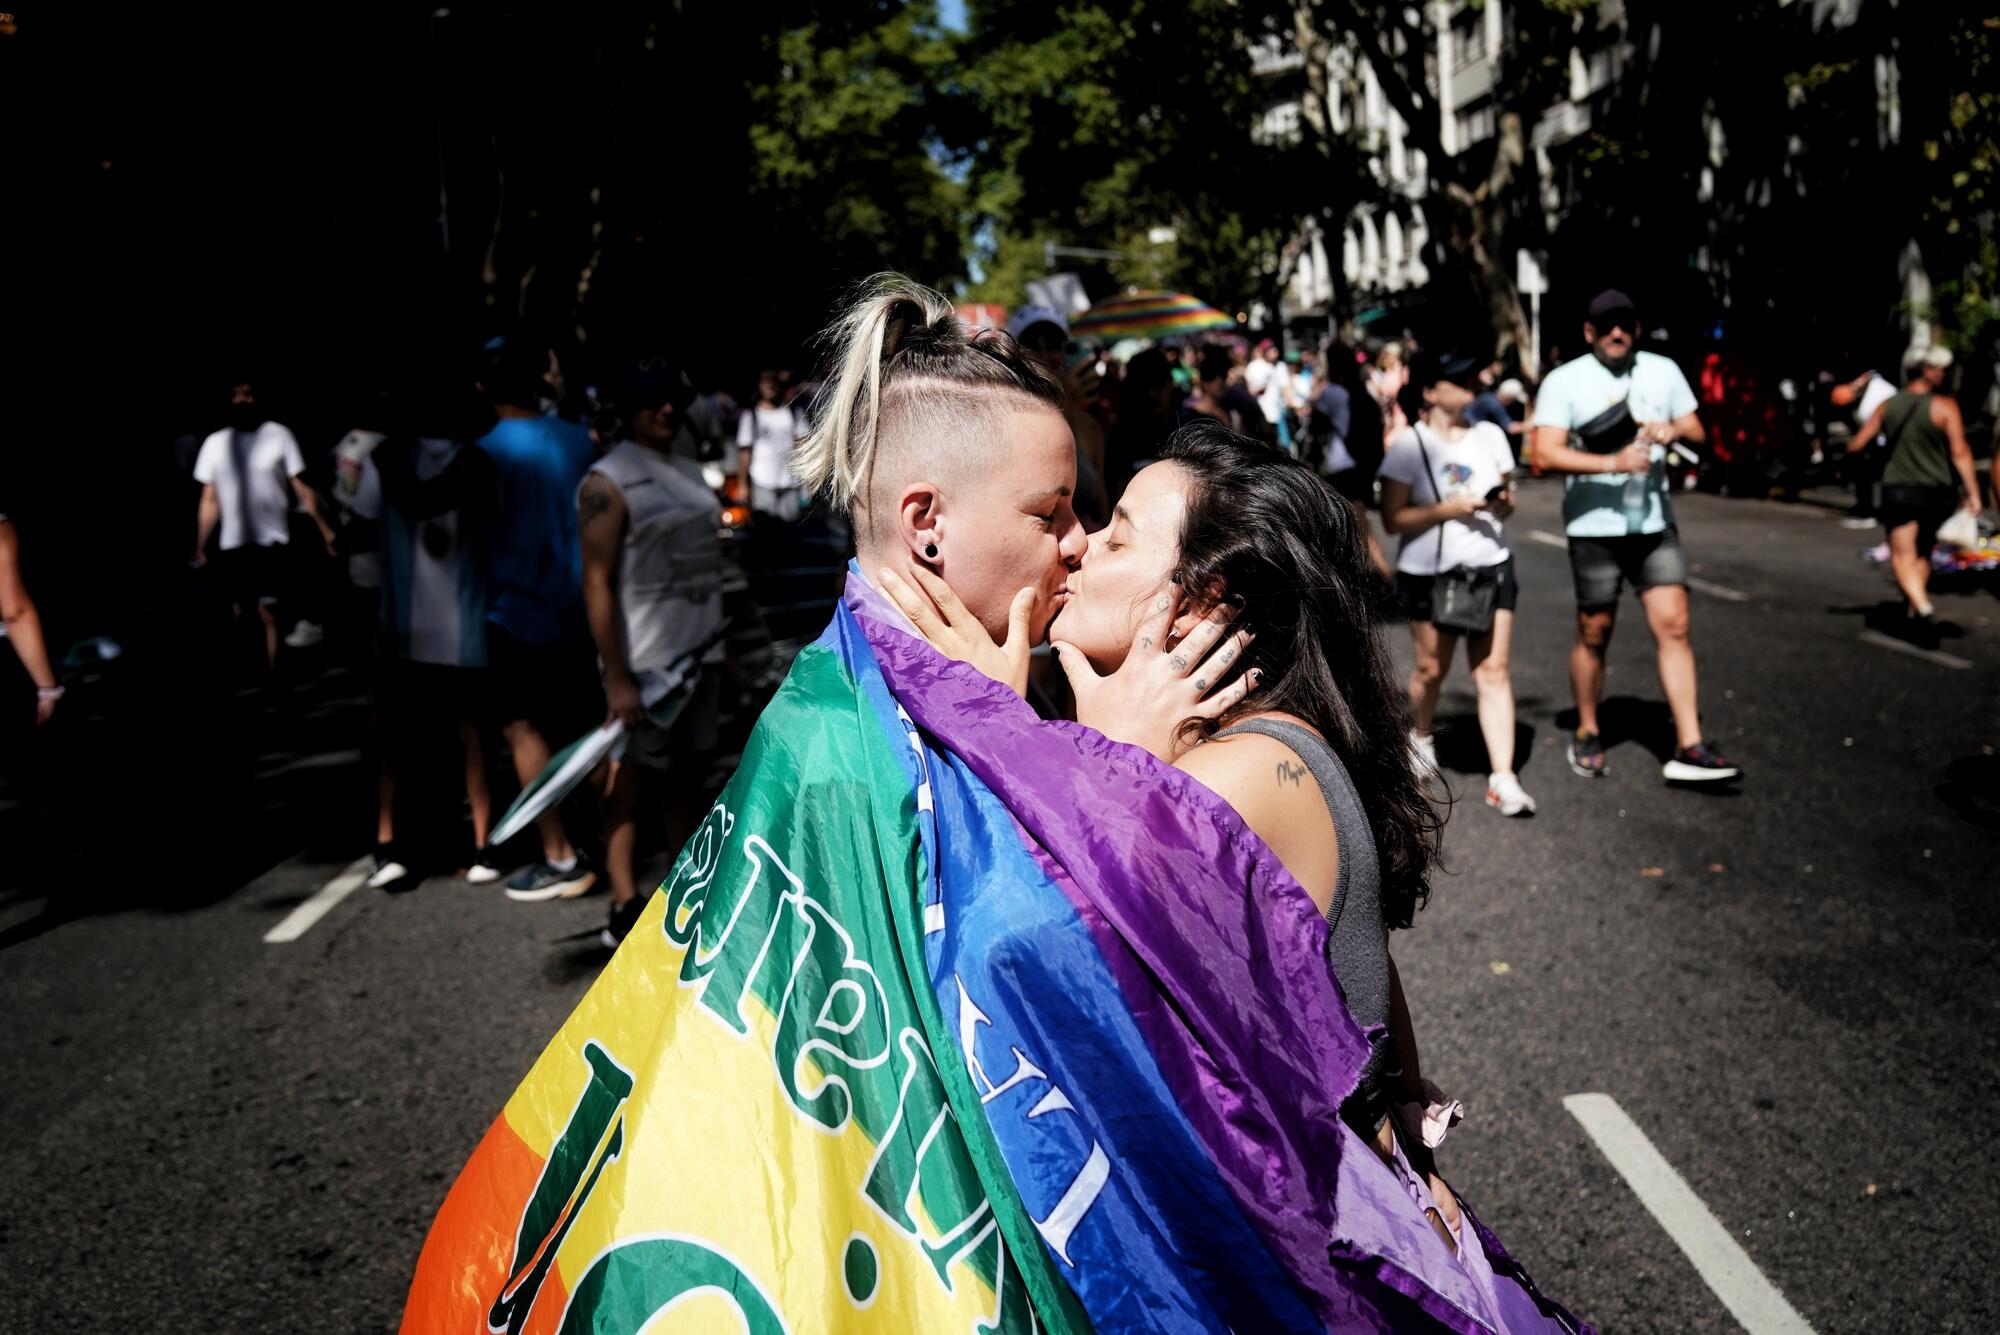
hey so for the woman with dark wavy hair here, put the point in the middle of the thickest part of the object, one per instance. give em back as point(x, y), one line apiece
point(1224, 622)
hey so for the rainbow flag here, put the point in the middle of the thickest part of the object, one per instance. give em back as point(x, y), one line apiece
point(949, 1019)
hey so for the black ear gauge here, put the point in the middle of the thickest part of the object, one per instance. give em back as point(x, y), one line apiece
point(930, 550)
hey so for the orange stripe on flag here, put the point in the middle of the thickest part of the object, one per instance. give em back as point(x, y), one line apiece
point(464, 1263)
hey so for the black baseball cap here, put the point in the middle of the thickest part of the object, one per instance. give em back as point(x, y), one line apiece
point(1434, 368)
point(1610, 303)
point(648, 382)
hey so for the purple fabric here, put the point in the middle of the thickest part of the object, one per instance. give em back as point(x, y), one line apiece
point(1220, 956)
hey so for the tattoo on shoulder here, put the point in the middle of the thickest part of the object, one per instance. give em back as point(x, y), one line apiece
point(594, 502)
point(1290, 773)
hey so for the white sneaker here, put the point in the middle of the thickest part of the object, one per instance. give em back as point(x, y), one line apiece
point(305, 635)
point(1505, 795)
point(387, 872)
point(1857, 523)
point(1426, 750)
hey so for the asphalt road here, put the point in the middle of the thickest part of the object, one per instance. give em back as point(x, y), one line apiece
point(1787, 987)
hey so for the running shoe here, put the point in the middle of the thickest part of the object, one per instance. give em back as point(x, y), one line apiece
point(1425, 748)
point(1923, 629)
point(305, 635)
point(1699, 763)
point(1586, 754)
point(533, 885)
point(1858, 523)
point(389, 873)
point(482, 871)
point(1505, 795)
point(624, 917)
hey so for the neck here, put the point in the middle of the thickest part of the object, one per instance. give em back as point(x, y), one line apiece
point(1442, 420)
point(1620, 365)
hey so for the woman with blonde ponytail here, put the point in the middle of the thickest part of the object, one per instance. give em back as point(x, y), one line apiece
point(950, 450)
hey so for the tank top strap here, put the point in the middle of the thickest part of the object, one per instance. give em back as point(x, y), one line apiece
point(1356, 841)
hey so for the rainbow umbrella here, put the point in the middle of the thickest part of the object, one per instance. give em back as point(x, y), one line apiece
point(1148, 315)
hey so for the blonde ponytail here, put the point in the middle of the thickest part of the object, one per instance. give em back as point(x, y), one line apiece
point(899, 346)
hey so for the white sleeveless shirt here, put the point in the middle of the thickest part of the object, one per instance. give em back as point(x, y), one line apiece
point(670, 572)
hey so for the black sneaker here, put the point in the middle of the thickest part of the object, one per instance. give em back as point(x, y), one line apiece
point(482, 870)
point(390, 872)
point(624, 917)
point(1699, 763)
point(532, 885)
point(1924, 630)
point(1586, 754)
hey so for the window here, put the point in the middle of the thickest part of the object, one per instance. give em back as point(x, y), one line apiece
point(1476, 122)
point(1468, 39)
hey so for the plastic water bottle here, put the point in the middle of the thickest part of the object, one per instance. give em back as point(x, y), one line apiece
point(1633, 501)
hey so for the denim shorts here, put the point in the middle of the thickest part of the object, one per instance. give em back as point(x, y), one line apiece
point(1602, 567)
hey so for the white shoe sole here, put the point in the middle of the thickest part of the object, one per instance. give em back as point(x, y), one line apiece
point(1676, 771)
point(571, 889)
point(481, 875)
point(388, 875)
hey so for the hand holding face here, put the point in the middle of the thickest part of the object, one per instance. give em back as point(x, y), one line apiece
point(953, 631)
point(1165, 680)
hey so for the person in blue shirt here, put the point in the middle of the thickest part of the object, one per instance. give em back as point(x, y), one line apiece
point(537, 641)
point(1604, 421)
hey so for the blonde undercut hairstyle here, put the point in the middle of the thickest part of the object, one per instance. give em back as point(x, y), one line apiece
point(910, 386)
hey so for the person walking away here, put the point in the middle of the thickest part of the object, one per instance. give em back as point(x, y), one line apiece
point(1446, 488)
point(1346, 423)
point(250, 471)
point(537, 646)
point(1865, 393)
point(1043, 333)
point(1604, 422)
point(21, 626)
point(1929, 461)
point(431, 494)
point(652, 584)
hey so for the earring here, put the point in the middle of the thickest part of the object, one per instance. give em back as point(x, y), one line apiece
point(930, 551)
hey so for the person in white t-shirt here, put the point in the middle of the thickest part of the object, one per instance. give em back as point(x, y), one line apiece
point(1866, 392)
point(1446, 487)
point(250, 474)
point(1606, 421)
point(765, 435)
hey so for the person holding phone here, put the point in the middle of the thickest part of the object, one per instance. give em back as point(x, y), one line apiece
point(1447, 489)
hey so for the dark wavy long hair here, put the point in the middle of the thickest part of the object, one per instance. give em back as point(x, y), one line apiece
point(1265, 528)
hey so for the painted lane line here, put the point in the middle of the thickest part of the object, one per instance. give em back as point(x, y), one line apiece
point(1707, 586)
point(300, 920)
point(1723, 1265)
point(1938, 656)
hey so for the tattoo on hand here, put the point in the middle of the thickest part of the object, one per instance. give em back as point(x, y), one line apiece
point(1201, 683)
point(1290, 773)
point(1163, 604)
point(1180, 662)
point(1145, 641)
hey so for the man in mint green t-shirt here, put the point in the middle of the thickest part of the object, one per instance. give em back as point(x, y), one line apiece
point(1605, 421)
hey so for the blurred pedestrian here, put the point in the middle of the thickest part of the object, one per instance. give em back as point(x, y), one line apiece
point(431, 492)
point(250, 472)
point(1346, 431)
point(1043, 333)
point(1929, 463)
point(23, 631)
point(537, 644)
point(1604, 421)
point(765, 435)
point(652, 584)
point(1150, 409)
point(1218, 396)
point(1447, 489)
point(1865, 460)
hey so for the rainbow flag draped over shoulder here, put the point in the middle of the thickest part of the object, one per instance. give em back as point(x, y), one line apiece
point(949, 1019)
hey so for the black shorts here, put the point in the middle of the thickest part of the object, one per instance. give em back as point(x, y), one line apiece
point(253, 574)
point(555, 687)
point(1601, 567)
point(1413, 592)
point(1926, 507)
point(422, 695)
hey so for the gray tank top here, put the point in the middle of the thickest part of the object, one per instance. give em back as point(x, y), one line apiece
point(1357, 943)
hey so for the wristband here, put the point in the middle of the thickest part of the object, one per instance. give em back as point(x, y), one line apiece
point(48, 692)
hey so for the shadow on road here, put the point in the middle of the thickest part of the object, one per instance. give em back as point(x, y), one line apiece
point(1971, 788)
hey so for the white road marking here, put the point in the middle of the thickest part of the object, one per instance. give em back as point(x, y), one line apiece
point(1938, 656)
point(300, 920)
point(1707, 586)
point(1723, 1265)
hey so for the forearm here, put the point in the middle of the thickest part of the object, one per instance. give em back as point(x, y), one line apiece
point(1968, 471)
point(24, 632)
point(600, 601)
point(1415, 518)
point(1563, 459)
point(206, 517)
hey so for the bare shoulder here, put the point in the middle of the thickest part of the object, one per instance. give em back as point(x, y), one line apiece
point(1270, 787)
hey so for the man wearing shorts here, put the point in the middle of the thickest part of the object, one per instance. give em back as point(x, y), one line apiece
point(652, 584)
point(1604, 421)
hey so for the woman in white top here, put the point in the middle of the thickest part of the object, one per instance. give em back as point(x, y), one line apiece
point(765, 435)
point(1446, 487)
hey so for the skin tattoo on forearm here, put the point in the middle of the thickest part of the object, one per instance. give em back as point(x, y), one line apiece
point(1290, 773)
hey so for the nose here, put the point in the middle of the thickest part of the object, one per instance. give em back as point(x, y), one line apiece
point(1074, 543)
